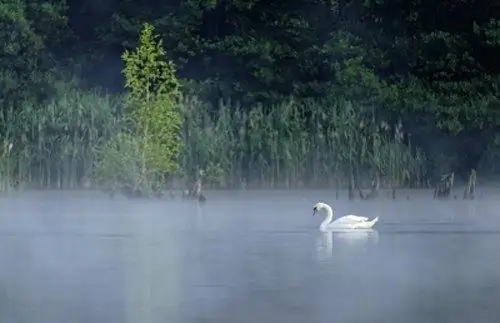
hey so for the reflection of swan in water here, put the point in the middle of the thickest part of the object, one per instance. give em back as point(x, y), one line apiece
point(342, 240)
point(354, 238)
point(346, 223)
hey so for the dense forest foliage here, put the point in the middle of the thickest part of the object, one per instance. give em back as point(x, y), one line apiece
point(261, 93)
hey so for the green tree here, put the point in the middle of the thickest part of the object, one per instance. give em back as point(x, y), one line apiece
point(152, 101)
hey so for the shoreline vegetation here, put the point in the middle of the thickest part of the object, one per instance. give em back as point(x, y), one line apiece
point(162, 135)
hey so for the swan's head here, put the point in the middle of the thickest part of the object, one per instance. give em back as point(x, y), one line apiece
point(318, 207)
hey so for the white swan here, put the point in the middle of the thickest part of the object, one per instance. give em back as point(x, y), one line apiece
point(347, 222)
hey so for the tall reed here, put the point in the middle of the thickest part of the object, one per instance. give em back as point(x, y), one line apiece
point(289, 145)
point(54, 144)
point(295, 144)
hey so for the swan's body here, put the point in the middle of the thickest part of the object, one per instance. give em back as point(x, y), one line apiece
point(347, 222)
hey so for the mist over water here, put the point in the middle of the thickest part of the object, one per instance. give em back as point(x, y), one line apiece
point(247, 256)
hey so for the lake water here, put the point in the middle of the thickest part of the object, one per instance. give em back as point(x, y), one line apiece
point(249, 256)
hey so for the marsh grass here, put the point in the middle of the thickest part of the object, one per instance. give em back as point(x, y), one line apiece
point(54, 144)
point(61, 144)
point(295, 144)
point(5, 156)
point(122, 165)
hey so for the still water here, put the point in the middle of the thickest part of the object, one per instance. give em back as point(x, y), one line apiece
point(247, 257)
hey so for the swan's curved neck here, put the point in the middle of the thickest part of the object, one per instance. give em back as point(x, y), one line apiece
point(329, 216)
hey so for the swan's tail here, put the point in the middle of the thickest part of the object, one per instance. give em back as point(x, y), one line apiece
point(375, 220)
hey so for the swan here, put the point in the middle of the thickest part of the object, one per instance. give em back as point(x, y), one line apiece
point(346, 222)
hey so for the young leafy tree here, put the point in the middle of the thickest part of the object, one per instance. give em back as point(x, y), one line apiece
point(152, 101)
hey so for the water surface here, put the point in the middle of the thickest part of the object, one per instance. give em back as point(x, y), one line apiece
point(250, 256)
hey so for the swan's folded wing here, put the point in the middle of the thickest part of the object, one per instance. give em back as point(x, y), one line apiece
point(354, 218)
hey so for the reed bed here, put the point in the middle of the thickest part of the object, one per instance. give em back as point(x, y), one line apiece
point(290, 145)
point(294, 145)
point(54, 144)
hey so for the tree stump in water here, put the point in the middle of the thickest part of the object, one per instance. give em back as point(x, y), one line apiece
point(352, 185)
point(444, 186)
point(361, 194)
point(196, 191)
point(375, 187)
point(337, 185)
point(373, 192)
point(131, 192)
point(470, 190)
